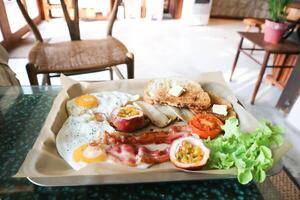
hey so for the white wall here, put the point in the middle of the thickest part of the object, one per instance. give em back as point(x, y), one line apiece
point(294, 118)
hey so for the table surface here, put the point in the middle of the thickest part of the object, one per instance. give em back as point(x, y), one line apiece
point(22, 113)
point(282, 47)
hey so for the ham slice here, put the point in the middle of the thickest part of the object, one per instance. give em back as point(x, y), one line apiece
point(133, 155)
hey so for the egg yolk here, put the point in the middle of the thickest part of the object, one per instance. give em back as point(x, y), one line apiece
point(86, 101)
point(189, 153)
point(88, 154)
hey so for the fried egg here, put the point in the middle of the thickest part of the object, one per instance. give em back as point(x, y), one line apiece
point(102, 102)
point(74, 141)
point(89, 153)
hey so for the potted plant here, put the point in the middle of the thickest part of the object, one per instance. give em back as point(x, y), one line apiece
point(275, 27)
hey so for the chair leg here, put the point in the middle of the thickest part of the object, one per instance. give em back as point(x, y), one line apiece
point(252, 49)
point(32, 74)
point(260, 76)
point(119, 74)
point(46, 79)
point(248, 28)
point(130, 65)
point(236, 58)
point(111, 73)
point(259, 30)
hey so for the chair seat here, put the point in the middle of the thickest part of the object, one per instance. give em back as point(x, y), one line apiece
point(77, 56)
point(253, 22)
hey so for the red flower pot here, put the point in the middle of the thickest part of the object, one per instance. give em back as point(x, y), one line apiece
point(274, 31)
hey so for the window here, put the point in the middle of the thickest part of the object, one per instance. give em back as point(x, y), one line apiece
point(1, 36)
point(12, 22)
point(32, 8)
point(15, 18)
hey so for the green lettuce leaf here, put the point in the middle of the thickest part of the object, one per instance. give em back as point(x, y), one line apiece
point(249, 152)
point(231, 127)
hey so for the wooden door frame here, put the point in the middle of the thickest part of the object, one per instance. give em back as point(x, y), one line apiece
point(291, 91)
point(175, 8)
point(10, 39)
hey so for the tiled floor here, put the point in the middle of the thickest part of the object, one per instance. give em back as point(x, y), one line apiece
point(171, 48)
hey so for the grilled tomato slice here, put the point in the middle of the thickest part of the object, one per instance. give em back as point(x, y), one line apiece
point(206, 125)
point(188, 153)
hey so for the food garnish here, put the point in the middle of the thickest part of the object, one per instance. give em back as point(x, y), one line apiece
point(249, 152)
point(128, 119)
point(206, 126)
point(189, 153)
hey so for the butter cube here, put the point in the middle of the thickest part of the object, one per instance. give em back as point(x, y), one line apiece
point(176, 90)
point(219, 109)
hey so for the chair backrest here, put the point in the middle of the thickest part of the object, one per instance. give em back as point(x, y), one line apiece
point(72, 21)
point(29, 21)
point(293, 11)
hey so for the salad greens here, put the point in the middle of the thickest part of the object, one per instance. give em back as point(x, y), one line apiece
point(249, 152)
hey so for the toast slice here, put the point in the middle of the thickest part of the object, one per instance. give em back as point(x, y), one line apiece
point(215, 99)
point(158, 92)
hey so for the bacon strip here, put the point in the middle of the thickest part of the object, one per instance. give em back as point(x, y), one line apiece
point(155, 137)
point(124, 147)
point(123, 153)
point(153, 157)
point(133, 155)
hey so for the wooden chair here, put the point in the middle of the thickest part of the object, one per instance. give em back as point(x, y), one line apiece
point(252, 22)
point(76, 56)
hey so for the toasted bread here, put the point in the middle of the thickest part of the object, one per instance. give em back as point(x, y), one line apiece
point(215, 99)
point(158, 92)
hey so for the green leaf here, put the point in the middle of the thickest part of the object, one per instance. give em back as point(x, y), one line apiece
point(266, 151)
point(277, 9)
point(249, 152)
point(260, 175)
point(240, 164)
point(245, 176)
point(231, 127)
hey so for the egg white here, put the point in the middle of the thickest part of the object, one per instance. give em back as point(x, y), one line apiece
point(107, 102)
point(76, 131)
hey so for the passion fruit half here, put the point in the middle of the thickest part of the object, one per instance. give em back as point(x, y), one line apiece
point(189, 153)
point(128, 119)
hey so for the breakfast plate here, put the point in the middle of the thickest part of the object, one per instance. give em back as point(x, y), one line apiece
point(129, 179)
point(108, 132)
